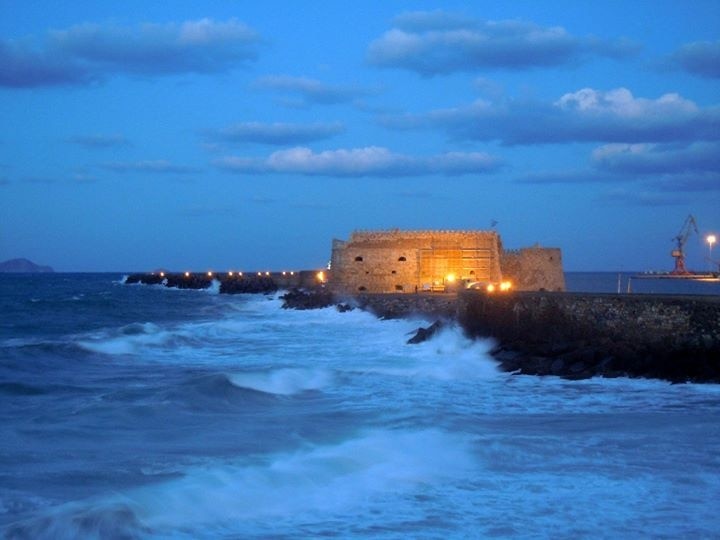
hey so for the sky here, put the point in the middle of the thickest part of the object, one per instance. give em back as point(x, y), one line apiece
point(247, 135)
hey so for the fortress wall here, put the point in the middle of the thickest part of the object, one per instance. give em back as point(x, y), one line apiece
point(357, 268)
point(534, 269)
point(406, 261)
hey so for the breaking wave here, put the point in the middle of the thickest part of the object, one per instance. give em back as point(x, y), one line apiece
point(284, 382)
point(361, 474)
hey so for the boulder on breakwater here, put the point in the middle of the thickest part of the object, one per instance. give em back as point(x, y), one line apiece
point(424, 334)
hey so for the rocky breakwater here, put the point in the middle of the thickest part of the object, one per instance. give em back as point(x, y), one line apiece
point(229, 283)
point(383, 306)
point(583, 335)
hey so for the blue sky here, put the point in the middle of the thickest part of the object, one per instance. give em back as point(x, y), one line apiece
point(247, 135)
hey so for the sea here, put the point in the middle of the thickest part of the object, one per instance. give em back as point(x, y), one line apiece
point(135, 411)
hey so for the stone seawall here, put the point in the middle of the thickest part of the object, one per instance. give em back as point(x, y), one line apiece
point(581, 335)
point(576, 335)
point(395, 306)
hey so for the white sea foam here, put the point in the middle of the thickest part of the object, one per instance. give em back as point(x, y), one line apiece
point(284, 382)
point(214, 287)
point(324, 479)
point(392, 440)
point(130, 340)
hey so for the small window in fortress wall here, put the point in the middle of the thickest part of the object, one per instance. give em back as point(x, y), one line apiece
point(398, 288)
point(362, 288)
point(358, 259)
point(393, 272)
point(472, 272)
point(402, 259)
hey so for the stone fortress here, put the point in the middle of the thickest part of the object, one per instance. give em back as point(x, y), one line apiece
point(397, 261)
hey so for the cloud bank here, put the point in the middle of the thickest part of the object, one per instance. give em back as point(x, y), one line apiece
point(86, 53)
point(277, 133)
point(370, 161)
point(647, 158)
point(587, 115)
point(701, 58)
point(439, 42)
point(677, 169)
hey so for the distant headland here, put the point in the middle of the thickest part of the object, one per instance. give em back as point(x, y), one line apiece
point(23, 266)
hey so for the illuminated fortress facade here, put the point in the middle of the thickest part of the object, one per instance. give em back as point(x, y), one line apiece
point(398, 261)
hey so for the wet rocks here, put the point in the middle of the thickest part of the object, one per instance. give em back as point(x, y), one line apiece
point(577, 336)
point(229, 283)
point(424, 334)
point(310, 299)
point(248, 285)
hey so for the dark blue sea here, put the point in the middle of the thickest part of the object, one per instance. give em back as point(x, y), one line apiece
point(131, 411)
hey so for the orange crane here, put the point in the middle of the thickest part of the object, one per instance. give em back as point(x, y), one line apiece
point(678, 253)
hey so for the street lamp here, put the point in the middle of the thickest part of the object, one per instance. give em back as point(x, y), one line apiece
point(711, 239)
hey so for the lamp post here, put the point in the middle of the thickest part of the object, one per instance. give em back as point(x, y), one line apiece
point(710, 239)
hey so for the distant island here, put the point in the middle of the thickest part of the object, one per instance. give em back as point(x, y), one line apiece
point(23, 266)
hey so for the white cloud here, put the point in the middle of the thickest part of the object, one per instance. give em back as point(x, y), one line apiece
point(657, 158)
point(437, 42)
point(701, 58)
point(367, 161)
point(620, 102)
point(89, 52)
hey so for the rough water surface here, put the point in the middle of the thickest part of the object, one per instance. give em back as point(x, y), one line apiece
point(147, 412)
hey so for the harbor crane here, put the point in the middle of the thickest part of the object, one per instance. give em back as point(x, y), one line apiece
point(678, 253)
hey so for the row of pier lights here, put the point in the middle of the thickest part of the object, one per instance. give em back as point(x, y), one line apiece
point(320, 276)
